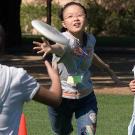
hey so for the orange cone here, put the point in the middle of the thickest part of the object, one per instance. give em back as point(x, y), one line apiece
point(22, 126)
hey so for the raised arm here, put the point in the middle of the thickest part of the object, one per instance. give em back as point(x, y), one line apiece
point(98, 62)
point(50, 96)
point(45, 48)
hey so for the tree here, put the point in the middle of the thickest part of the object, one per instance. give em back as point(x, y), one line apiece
point(10, 20)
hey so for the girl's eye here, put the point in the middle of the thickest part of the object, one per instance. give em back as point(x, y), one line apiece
point(68, 17)
point(80, 15)
point(73, 16)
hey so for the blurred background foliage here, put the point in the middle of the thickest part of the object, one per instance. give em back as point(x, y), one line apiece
point(105, 18)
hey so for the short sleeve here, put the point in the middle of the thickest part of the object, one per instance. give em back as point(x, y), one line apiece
point(30, 86)
point(24, 83)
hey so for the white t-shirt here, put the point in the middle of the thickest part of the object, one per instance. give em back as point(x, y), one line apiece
point(16, 87)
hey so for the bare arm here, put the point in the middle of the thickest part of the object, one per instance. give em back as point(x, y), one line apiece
point(50, 96)
point(132, 86)
point(46, 48)
point(97, 61)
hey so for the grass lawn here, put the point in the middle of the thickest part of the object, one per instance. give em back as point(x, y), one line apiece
point(113, 117)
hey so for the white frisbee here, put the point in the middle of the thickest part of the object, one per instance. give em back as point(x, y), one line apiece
point(49, 32)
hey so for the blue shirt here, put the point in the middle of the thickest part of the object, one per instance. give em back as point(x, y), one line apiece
point(75, 63)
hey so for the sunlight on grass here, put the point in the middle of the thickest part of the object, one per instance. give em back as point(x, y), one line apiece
point(113, 116)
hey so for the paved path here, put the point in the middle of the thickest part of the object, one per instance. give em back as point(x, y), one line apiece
point(121, 63)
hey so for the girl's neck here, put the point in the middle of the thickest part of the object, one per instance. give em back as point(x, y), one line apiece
point(79, 36)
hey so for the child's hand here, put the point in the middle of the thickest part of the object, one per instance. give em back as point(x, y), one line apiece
point(132, 86)
point(42, 48)
point(52, 71)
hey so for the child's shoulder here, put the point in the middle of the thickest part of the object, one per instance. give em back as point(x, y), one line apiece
point(90, 35)
point(91, 38)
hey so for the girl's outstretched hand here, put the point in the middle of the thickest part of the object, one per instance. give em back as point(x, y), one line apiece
point(42, 48)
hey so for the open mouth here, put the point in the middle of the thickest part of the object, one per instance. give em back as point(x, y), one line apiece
point(77, 25)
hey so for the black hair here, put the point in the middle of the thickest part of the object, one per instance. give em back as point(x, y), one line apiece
point(69, 4)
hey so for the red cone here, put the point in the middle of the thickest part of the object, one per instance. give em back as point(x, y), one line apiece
point(22, 126)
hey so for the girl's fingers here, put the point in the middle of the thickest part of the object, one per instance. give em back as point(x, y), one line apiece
point(132, 88)
point(43, 39)
point(42, 48)
point(37, 43)
point(41, 51)
point(44, 55)
point(46, 43)
point(37, 48)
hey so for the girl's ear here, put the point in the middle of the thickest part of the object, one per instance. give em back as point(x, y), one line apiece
point(63, 24)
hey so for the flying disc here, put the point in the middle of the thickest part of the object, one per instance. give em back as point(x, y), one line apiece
point(49, 32)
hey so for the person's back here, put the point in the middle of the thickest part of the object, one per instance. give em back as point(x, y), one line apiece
point(18, 87)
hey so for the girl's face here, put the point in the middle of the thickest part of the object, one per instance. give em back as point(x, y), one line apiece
point(74, 19)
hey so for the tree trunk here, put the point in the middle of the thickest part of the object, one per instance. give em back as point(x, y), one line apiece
point(10, 20)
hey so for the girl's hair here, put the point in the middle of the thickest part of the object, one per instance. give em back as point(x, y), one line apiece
point(67, 5)
point(70, 4)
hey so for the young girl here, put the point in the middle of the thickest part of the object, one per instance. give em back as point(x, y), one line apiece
point(74, 61)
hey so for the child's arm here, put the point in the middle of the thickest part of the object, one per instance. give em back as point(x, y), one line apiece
point(46, 48)
point(98, 62)
point(132, 86)
point(50, 95)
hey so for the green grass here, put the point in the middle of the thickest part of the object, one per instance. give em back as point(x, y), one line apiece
point(113, 116)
